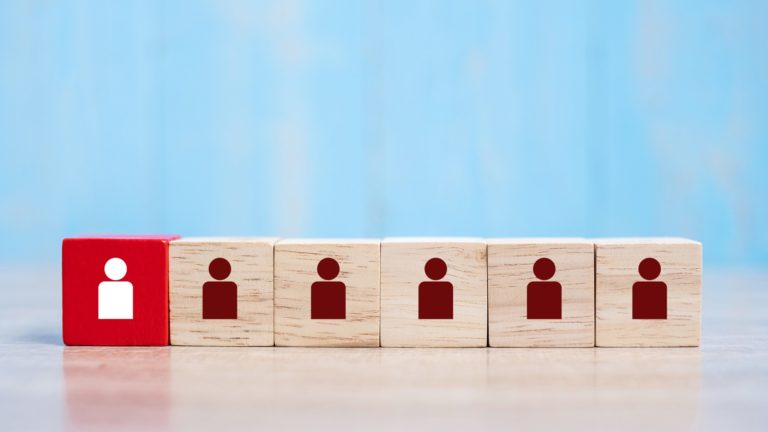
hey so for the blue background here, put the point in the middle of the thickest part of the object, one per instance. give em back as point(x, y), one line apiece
point(330, 118)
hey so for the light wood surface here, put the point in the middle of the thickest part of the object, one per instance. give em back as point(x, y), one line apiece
point(616, 270)
point(296, 264)
point(718, 386)
point(251, 265)
point(402, 270)
point(510, 270)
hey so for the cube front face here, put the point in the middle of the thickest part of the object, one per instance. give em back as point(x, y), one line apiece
point(221, 292)
point(552, 309)
point(648, 293)
point(115, 290)
point(433, 293)
point(327, 293)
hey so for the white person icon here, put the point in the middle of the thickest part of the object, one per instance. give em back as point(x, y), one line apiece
point(115, 295)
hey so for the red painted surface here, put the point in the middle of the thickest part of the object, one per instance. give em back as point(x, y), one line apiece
point(435, 296)
point(83, 260)
point(544, 297)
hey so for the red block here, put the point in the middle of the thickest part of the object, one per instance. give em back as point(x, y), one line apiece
point(115, 290)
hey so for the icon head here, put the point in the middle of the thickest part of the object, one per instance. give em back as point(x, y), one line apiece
point(115, 268)
point(544, 268)
point(328, 268)
point(649, 268)
point(219, 269)
point(435, 268)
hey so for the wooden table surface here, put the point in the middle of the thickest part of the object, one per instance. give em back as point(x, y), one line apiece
point(721, 385)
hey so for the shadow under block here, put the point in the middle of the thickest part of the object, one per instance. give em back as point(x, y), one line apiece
point(245, 291)
point(403, 271)
point(511, 277)
point(617, 263)
point(350, 287)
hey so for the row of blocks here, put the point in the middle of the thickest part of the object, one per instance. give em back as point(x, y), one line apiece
point(399, 292)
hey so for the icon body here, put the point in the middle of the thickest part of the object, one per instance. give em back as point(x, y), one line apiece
point(544, 297)
point(435, 295)
point(219, 296)
point(649, 297)
point(328, 297)
point(115, 295)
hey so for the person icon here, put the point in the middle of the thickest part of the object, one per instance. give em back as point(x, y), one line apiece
point(219, 295)
point(544, 297)
point(328, 297)
point(649, 296)
point(115, 295)
point(435, 295)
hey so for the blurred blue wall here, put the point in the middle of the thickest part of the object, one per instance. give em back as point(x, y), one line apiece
point(350, 118)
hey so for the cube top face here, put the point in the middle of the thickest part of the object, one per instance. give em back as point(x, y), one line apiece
point(221, 291)
point(648, 292)
point(327, 293)
point(115, 290)
point(226, 240)
point(165, 237)
point(644, 241)
point(329, 241)
point(434, 293)
point(541, 293)
point(433, 240)
point(539, 241)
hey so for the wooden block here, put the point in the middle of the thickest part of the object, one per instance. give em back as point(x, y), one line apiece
point(221, 291)
point(648, 292)
point(327, 293)
point(541, 293)
point(115, 290)
point(448, 307)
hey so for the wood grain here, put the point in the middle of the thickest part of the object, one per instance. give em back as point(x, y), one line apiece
point(295, 271)
point(510, 269)
point(45, 386)
point(402, 269)
point(616, 269)
point(252, 269)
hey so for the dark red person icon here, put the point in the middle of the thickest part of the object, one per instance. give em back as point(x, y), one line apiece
point(219, 296)
point(545, 297)
point(435, 296)
point(329, 297)
point(649, 297)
